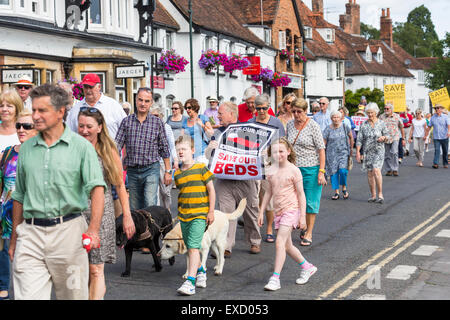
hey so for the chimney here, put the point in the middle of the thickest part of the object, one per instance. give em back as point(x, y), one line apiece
point(317, 7)
point(350, 21)
point(386, 27)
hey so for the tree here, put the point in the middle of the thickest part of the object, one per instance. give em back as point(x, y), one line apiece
point(352, 99)
point(439, 74)
point(369, 32)
point(417, 35)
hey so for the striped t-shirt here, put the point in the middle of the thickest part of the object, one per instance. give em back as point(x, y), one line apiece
point(193, 200)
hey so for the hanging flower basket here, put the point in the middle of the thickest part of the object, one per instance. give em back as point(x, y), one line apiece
point(273, 79)
point(172, 62)
point(235, 62)
point(285, 54)
point(298, 58)
point(266, 76)
point(212, 59)
point(77, 88)
point(279, 80)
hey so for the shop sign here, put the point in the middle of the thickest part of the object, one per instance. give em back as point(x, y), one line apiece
point(296, 81)
point(130, 72)
point(13, 75)
point(255, 66)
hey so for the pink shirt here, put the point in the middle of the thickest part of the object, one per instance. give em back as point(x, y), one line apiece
point(282, 183)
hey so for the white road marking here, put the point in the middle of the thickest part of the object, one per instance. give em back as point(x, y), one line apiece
point(425, 250)
point(370, 296)
point(445, 233)
point(401, 272)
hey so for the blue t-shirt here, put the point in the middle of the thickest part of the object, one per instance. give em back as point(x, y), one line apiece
point(201, 140)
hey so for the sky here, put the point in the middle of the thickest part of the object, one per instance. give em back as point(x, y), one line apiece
point(371, 11)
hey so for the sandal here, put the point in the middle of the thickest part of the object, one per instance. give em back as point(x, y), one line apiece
point(345, 194)
point(269, 238)
point(372, 200)
point(380, 200)
point(335, 197)
point(305, 242)
point(302, 234)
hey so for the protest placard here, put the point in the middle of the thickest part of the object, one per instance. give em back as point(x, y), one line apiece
point(440, 97)
point(358, 121)
point(396, 95)
point(239, 152)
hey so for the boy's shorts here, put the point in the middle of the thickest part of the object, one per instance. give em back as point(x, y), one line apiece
point(193, 233)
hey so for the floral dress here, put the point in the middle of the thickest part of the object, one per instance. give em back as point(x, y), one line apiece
point(337, 149)
point(9, 185)
point(373, 150)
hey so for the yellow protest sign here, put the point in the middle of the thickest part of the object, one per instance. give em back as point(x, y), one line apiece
point(396, 95)
point(440, 97)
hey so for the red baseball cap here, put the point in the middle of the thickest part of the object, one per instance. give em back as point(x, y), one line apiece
point(91, 79)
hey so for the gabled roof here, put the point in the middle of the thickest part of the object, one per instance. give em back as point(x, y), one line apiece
point(218, 16)
point(162, 17)
point(250, 10)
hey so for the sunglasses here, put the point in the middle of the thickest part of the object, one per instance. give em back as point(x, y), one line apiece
point(26, 126)
point(287, 102)
point(322, 103)
point(89, 109)
point(188, 108)
point(175, 108)
point(23, 87)
point(261, 108)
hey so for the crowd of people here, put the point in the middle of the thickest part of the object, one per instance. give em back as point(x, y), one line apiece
point(84, 163)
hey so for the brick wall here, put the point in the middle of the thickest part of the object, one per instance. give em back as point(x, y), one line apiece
point(286, 19)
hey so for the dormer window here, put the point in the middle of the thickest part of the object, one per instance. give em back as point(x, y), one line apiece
point(380, 56)
point(329, 33)
point(308, 32)
point(368, 54)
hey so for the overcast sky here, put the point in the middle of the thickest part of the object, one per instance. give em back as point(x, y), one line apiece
point(371, 11)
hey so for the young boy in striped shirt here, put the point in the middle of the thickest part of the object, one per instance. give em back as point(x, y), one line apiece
point(196, 203)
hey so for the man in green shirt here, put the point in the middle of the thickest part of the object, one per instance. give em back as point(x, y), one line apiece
point(57, 171)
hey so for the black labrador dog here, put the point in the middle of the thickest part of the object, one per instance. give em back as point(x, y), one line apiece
point(151, 223)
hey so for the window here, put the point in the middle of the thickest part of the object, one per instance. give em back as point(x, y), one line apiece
point(282, 40)
point(339, 69)
point(421, 104)
point(49, 76)
point(267, 36)
point(37, 77)
point(380, 56)
point(308, 32)
point(368, 54)
point(4, 2)
point(375, 82)
point(421, 76)
point(168, 41)
point(95, 12)
point(329, 70)
point(34, 6)
point(329, 35)
point(44, 6)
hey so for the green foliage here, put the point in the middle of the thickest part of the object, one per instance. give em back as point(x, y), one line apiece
point(439, 74)
point(417, 35)
point(369, 32)
point(352, 99)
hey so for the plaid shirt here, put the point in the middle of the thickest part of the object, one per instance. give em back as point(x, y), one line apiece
point(145, 143)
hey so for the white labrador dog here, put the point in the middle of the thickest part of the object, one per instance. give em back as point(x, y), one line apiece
point(215, 237)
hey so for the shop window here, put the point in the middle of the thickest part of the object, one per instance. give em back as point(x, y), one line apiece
point(49, 76)
point(95, 12)
point(37, 77)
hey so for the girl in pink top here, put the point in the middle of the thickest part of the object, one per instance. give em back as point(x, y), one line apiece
point(286, 188)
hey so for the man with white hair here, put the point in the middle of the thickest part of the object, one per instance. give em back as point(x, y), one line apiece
point(323, 116)
point(247, 109)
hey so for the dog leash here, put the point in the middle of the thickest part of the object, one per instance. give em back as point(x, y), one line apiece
point(147, 234)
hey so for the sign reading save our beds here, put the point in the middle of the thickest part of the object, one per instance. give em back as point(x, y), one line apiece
point(239, 152)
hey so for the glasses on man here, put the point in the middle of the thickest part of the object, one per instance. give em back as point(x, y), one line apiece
point(175, 109)
point(261, 108)
point(322, 103)
point(24, 87)
point(25, 125)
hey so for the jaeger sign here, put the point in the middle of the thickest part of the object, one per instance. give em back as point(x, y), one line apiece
point(130, 72)
point(13, 75)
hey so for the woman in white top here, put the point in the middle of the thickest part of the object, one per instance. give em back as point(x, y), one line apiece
point(417, 132)
point(10, 106)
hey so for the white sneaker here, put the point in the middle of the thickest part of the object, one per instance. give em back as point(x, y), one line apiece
point(305, 275)
point(201, 280)
point(273, 284)
point(187, 289)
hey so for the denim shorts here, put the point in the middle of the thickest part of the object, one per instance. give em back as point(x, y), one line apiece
point(193, 233)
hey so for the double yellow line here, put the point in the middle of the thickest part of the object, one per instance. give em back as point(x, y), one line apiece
point(396, 245)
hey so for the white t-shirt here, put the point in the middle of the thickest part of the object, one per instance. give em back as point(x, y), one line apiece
point(6, 141)
point(111, 110)
point(419, 128)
